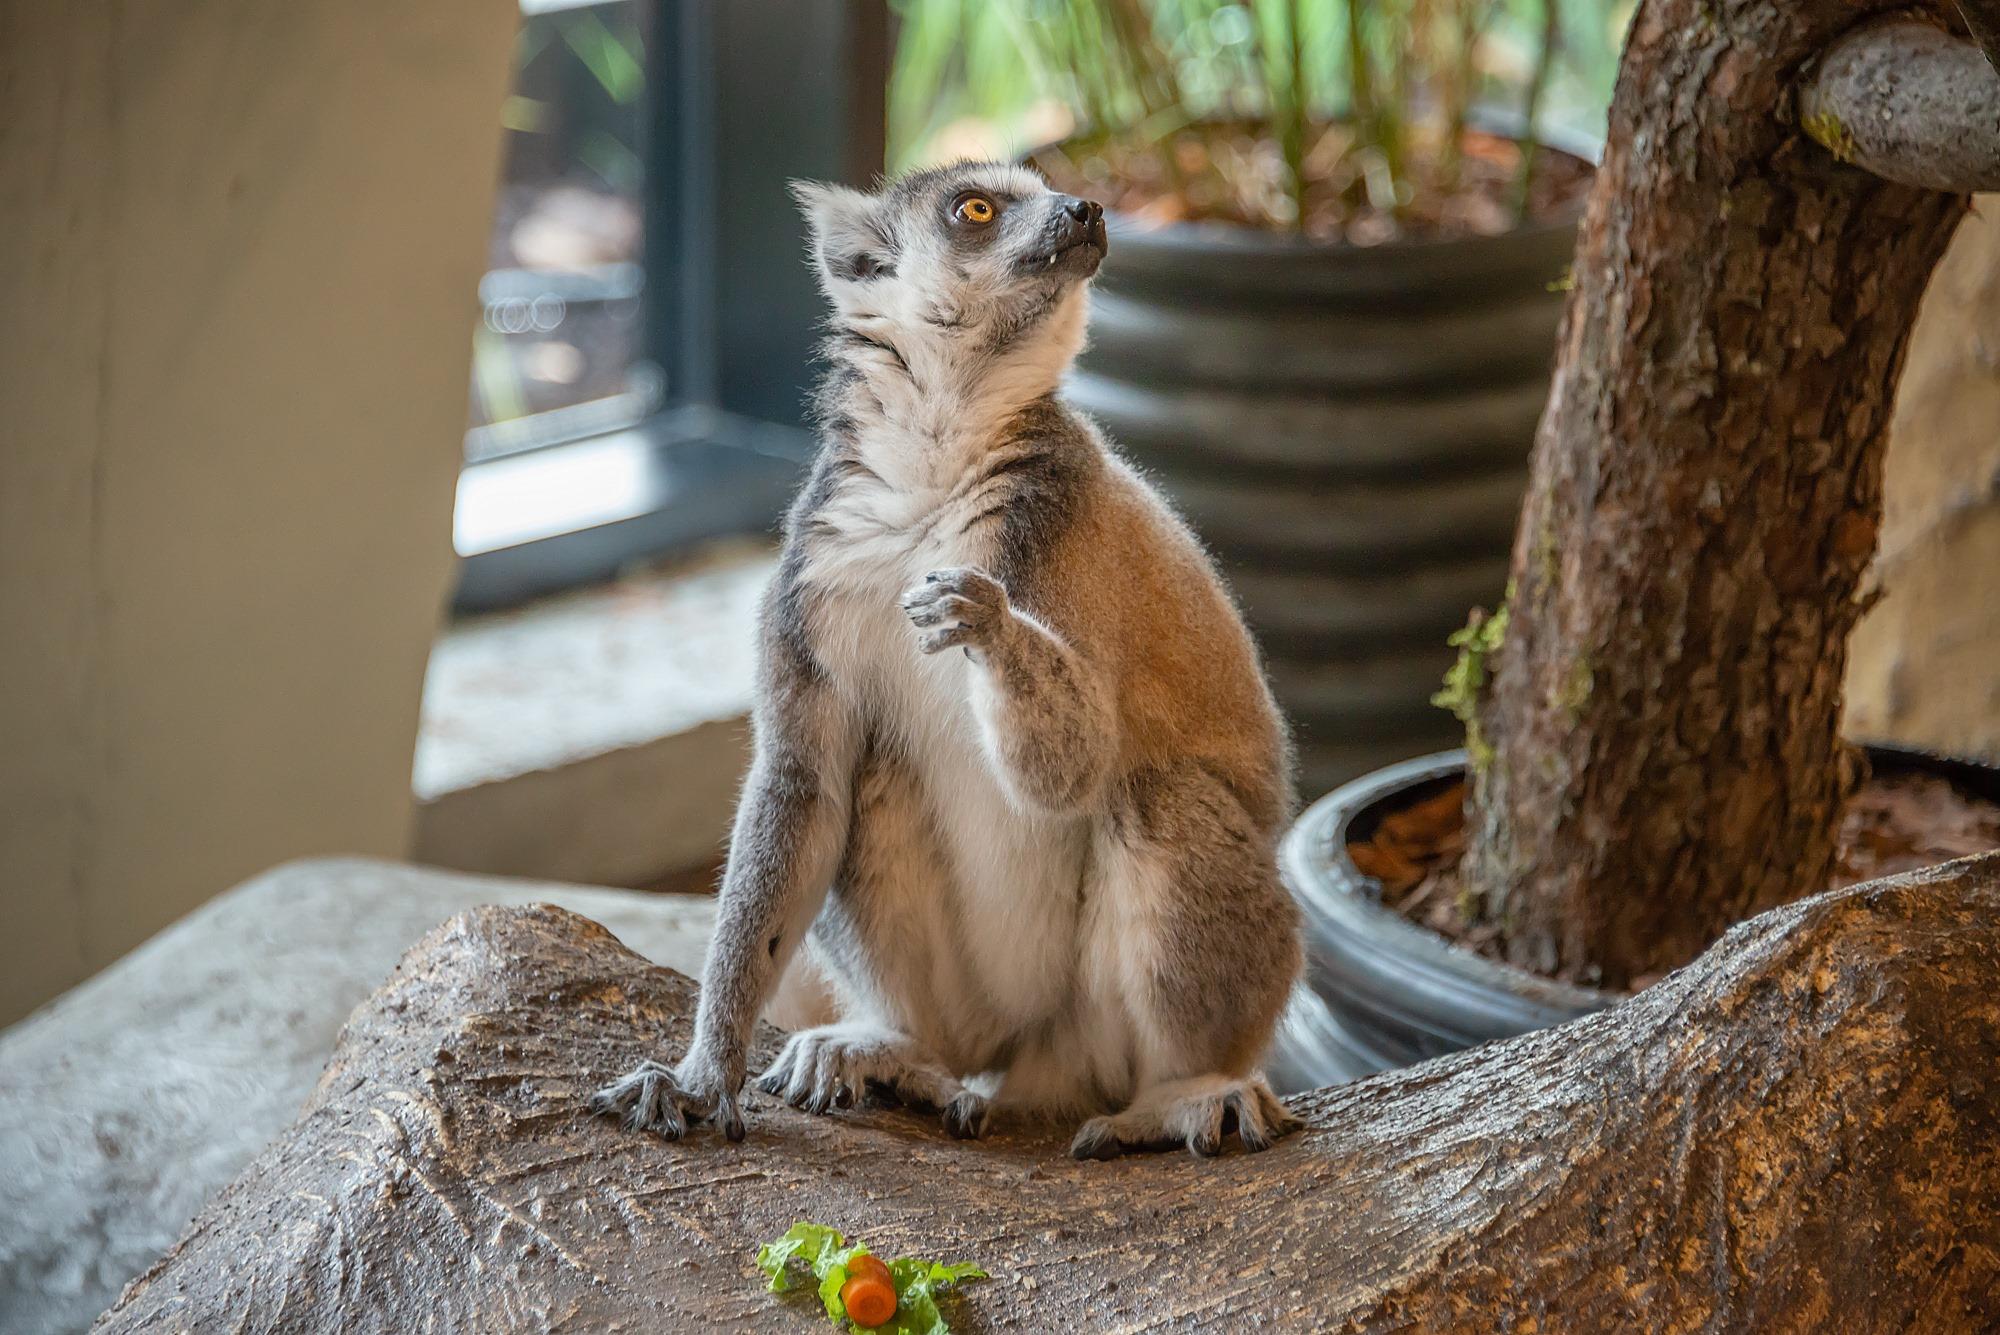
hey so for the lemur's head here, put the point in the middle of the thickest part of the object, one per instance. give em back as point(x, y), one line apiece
point(977, 255)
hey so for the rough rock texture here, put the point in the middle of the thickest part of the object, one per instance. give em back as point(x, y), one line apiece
point(1799, 1132)
point(1924, 664)
point(131, 1099)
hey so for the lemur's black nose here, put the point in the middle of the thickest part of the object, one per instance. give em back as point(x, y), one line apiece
point(1084, 211)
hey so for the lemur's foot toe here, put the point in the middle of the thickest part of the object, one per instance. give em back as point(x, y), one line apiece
point(968, 1116)
point(837, 1065)
point(1198, 1114)
point(1095, 1139)
point(645, 1099)
point(667, 1100)
point(1259, 1117)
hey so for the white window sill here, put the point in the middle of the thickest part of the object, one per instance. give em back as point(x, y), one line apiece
point(595, 736)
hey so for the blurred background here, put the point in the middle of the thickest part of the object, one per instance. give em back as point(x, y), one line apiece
point(402, 400)
point(405, 403)
point(640, 370)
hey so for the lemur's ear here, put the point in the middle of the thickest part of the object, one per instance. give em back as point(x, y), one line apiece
point(848, 238)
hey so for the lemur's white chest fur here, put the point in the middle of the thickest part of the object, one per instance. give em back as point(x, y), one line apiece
point(1014, 877)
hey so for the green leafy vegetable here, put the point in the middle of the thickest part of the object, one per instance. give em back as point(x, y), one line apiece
point(825, 1253)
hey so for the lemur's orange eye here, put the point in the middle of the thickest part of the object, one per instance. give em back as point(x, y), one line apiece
point(976, 209)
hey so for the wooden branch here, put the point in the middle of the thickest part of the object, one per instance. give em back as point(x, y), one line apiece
point(1911, 103)
point(1800, 1132)
point(1982, 20)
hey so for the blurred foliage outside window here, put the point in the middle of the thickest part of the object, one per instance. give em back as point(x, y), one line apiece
point(1127, 78)
point(557, 354)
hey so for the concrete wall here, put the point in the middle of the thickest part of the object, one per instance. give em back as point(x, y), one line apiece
point(1926, 661)
point(242, 240)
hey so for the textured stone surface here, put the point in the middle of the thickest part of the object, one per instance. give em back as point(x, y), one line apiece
point(126, 1102)
point(601, 669)
point(1799, 1132)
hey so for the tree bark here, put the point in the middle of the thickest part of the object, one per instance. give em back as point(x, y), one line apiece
point(1657, 756)
point(1799, 1133)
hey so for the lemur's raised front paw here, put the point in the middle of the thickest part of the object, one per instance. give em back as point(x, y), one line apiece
point(668, 1099)
point(1196, 1113)
point(956, 606)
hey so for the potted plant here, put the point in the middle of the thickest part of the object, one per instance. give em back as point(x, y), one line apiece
point(1327, 317)
point(1652, 716)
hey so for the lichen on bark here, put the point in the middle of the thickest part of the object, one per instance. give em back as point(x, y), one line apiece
point(1477, 642)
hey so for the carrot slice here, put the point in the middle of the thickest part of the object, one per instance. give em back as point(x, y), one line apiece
point(868, 1295)
point(868, 1264)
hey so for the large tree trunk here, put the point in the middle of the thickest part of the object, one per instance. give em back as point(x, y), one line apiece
point(1658, 754)
point(1799, 1133)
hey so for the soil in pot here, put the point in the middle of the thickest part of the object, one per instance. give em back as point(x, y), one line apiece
point(1235, 174)
point(1897, 821)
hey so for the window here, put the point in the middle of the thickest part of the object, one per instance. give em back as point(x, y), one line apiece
point(641, 371)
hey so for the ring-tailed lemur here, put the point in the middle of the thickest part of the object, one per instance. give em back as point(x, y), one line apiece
point(1038, 874)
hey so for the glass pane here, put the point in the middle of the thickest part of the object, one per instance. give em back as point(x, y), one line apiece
point(557, 353)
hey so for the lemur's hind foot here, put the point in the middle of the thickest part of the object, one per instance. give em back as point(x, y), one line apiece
point(835, 1065)
point(1197, 1113)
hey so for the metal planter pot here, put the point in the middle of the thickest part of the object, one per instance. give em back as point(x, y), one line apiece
point(1379, 990)
point(1348, 429)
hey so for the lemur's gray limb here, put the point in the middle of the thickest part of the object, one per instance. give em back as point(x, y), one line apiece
point(1043, 712)
point(1213, 992)
point(791, 826)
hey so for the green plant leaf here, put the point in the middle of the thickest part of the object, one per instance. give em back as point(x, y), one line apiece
point(832, 1275)
point(826, 1253)
point(807, 1241)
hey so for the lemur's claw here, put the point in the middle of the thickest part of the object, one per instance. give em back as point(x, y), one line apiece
point(1200, 1120)
point(729, 1117)
point(955, 606)
point(666, 1101)
point(967, 1116)
point(1094, 1140)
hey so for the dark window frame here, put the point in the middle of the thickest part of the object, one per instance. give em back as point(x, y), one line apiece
point(757, 95)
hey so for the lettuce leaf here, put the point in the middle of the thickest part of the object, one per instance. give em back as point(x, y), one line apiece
point(807, 1241)
point(827, 1254)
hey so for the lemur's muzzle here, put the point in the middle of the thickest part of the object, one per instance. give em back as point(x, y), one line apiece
point(1081, 222)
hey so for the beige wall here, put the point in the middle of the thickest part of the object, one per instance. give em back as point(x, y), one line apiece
point(1926, 661)
point(239, 250)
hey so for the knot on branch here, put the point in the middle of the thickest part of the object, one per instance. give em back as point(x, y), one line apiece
point(1910, 103)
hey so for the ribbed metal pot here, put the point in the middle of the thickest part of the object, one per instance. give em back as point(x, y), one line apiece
point(1381, 991)
point(1348, 429)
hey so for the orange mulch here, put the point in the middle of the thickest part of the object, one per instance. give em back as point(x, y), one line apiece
point(1895, 823)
